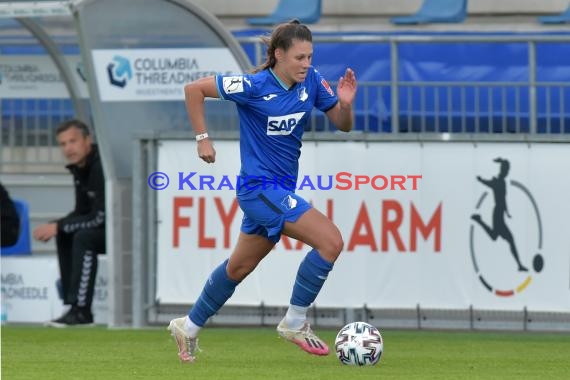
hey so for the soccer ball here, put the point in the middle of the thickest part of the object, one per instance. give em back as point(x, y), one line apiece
point(359, 343)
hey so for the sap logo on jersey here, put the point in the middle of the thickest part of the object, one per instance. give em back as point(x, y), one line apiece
point(283, 125)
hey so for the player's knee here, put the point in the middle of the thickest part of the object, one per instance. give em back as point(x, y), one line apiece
point(332, 248)
point(338, 245)
point(237, 272)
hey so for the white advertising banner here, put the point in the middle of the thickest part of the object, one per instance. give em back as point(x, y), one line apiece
point(29, 292)
point(37, 77)
point(156, 74)
point(443, 225)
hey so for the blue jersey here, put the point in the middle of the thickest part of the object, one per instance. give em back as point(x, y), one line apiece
point(273, 118)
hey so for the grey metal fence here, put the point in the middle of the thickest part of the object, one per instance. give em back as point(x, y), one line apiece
point(28, 128)
point(526, 110)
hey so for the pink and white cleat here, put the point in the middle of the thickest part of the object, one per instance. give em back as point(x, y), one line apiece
point(304, 338)
point(187, 347)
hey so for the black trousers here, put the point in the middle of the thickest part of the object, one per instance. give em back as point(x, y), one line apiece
point(77, 253)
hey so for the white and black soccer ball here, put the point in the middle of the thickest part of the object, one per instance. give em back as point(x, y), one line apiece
point(359, 343)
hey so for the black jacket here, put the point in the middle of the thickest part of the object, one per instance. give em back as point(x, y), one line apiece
point(89, 185)
point(9, 221)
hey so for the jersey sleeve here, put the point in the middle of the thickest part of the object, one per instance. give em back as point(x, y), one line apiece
point(326, 98)
point(237, 88)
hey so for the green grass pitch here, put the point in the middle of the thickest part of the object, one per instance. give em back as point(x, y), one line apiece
point(257, 353)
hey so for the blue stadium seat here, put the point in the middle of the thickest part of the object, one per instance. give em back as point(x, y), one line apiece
point(23, 245)
point(306, 11)
point(561, 18)
point(435, 11)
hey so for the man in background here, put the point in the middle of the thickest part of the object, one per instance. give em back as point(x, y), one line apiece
point(80, 235)
point(10, 221)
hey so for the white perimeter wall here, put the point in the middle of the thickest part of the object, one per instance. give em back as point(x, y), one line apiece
point(403, 246)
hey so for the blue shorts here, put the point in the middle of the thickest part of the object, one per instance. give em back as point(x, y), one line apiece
point(266, 211)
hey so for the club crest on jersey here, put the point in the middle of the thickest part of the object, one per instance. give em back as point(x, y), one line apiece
point(283, 125)
point(302, 92)
point(327, 87)
point(289, 202)
point(233, 84)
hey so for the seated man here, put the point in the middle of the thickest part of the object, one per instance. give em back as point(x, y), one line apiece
point(10, 222)
point(80, 235)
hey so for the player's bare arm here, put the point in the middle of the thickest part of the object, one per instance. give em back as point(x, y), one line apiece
point(341, 115)
point(195, 94)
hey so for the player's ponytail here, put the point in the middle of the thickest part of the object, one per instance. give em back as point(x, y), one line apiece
point(282, 37)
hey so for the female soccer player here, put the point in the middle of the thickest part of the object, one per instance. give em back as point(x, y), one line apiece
point(274, 105)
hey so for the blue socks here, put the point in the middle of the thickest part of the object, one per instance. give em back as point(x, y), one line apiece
point(217, 290)
point(311, 276)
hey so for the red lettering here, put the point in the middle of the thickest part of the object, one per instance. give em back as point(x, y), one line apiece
point(390, 226)
point(179, 221)
point(366, 238)
point(398, 180)
point(330, 210)
point(227, 218)
point(340, 179)
point(203, 241)
point(286, 243)
point(414, 178)
point(383, 178)
point(417, 224)
point(361, 180)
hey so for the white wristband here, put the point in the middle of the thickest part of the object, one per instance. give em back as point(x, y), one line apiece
point(202, 136)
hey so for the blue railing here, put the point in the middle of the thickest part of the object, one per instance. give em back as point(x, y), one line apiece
point(468, 85)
